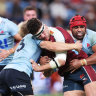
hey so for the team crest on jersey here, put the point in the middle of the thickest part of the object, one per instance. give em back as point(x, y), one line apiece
point(51, 32)
point(82, 75)
point(88, 44)
point(1, 32)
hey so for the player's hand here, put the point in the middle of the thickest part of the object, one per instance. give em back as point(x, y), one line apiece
point(78, 46)
point(44, 59)
point(4, 54)
point(35, 66)
point(74, 65)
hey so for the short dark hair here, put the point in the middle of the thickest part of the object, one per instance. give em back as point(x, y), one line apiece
point(29, 8)
point(33, 25)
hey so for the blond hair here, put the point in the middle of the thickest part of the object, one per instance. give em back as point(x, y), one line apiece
point(23, 29)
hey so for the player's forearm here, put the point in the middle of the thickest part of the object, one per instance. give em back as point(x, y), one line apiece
point(12, 50)
point(51, 65)
point(57, 46)
point(91, 59)
point(17, 38)
point(44, 67)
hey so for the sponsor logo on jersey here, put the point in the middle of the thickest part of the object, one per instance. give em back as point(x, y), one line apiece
point(51, 32)
point(65, 86)
point(18, 87)
point(84, 80)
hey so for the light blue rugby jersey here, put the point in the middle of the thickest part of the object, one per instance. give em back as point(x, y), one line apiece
point(27, 49)
point(7, 30)
point(88, 41)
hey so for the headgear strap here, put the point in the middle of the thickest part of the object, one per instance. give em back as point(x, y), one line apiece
point(39, 32)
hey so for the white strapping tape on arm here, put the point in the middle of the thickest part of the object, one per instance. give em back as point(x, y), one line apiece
point(59, 56)
point(52, 64)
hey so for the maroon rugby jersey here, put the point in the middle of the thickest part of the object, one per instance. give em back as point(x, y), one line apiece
point(70, 54)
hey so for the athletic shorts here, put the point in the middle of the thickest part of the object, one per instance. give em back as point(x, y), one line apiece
point(79, 78)
point(13, 81)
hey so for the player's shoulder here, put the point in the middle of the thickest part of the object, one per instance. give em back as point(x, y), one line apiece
point(8, 22)
point(90, 34)
point(57, 34)
point(4, 23)
point(28, 36)
point(90, 31)
point(2, 19)
point(54, 31)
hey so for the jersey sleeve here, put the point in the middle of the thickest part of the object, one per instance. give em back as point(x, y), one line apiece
point(59, 38)
point(58, 35)
point(38, 41)
point(94, 39)
point(13, 28)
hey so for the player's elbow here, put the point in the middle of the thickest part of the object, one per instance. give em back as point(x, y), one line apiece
point(61, 58)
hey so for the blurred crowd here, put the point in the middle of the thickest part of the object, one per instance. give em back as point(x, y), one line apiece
point(51, 12)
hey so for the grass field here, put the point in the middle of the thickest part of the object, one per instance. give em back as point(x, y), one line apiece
point(59, 94)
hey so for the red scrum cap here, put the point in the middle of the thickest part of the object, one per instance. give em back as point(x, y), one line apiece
point(76, 21)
